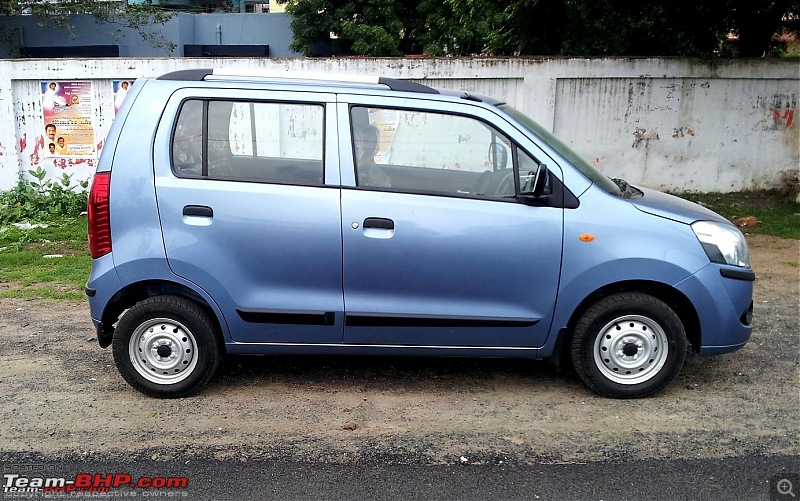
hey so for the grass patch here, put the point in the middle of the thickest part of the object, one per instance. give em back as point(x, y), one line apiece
point(25, 272)
point(776, 214)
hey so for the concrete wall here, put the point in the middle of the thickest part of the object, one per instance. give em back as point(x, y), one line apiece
point(181, 29)
point(665, 123)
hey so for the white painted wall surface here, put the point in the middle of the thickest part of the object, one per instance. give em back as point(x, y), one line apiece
point(670, 124)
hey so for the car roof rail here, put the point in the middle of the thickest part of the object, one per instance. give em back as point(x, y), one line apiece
point(197, 75)
point(187, 75)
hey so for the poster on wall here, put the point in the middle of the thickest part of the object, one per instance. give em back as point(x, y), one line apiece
point(387, 122)
point(68, 118)
point(120, 88)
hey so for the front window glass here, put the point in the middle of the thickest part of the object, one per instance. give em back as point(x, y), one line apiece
point(428, 152)
point(527, 171)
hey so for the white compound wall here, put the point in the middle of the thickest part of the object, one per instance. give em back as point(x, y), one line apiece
point(672, 124)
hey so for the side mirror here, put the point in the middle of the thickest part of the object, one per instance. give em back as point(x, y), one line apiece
point(498, 156)
point(536, 184)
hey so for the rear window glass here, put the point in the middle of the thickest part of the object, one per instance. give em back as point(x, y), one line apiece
point(250, 141)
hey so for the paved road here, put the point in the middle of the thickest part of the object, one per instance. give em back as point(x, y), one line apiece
point(743, 478)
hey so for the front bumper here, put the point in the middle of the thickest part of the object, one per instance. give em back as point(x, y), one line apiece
point(723, 299)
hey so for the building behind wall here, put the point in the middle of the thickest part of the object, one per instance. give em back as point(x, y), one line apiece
point(255, 34)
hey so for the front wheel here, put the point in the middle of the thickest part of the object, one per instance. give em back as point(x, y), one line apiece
point(628, 345)
point(166, 346)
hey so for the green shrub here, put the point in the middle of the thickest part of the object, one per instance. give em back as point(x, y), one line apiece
point(40, 200)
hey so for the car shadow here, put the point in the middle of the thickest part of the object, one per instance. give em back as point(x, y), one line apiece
point(387, 372)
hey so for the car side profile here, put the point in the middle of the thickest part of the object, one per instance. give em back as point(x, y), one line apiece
point(258, 213)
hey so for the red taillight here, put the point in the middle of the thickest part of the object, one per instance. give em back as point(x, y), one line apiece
point(99, 220)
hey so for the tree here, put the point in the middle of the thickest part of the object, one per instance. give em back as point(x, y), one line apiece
point(138, 17)
point(460, 27)
point(539, 27)
point(366, 27)
point(630, 28)
point(756, 23)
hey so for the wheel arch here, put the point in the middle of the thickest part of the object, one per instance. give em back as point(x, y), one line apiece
point(675, 299)
point(138, 291)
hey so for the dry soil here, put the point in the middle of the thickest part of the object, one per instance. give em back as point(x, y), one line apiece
point(63, 398)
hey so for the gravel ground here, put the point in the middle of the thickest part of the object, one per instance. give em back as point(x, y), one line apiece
point(63, 398)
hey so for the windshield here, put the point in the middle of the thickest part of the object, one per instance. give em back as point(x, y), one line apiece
point(565, 151)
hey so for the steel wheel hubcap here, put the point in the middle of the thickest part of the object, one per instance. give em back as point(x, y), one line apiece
point(163, 351)
point(631, 349)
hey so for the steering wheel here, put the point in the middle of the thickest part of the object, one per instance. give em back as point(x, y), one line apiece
point(506, 186)
point(530, 177)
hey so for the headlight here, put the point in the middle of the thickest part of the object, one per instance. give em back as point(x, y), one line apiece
point(723, 243)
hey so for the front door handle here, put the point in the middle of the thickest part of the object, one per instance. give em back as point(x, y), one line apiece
point(379, 223)
point(198, 210)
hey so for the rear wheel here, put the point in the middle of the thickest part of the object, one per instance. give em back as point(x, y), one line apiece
point(628, 345)
point(166, 346)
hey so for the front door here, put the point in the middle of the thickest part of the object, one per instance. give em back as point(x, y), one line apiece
point(437, 249)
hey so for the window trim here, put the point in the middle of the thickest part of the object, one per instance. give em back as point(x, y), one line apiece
point(204, 139)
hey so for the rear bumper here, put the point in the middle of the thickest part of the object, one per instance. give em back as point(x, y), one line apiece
point(103, 283)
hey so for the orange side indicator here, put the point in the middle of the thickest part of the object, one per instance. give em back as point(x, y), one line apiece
point(586, 237)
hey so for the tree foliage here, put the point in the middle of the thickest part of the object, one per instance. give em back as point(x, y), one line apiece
point(539, 27)
point(139, 17)
point(755, 22)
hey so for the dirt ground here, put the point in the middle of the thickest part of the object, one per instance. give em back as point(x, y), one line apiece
point(63, 398)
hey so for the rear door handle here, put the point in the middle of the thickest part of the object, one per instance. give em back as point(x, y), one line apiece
point(198, 210)
point(379, 223)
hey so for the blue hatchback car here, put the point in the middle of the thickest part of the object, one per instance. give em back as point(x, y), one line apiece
point(274, 213)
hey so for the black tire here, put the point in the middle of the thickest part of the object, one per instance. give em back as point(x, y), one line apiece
point(166, 347)
point(628, 345)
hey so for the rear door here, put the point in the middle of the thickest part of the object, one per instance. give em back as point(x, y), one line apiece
point(249, 203)
point(438, 251)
